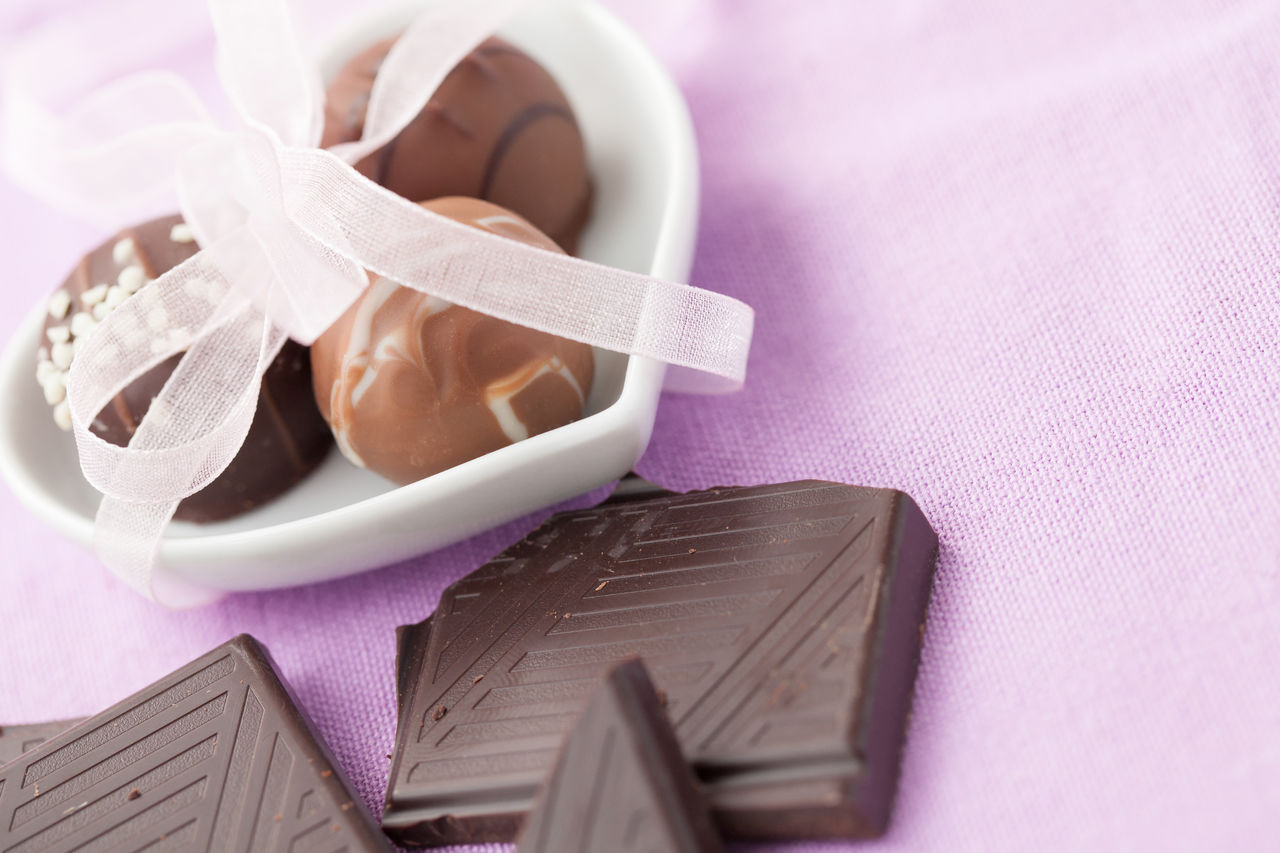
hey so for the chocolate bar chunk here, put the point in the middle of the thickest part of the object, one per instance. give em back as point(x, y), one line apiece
point(621, 782)
point(15, 740)
point(214, 757)
point(782, 623)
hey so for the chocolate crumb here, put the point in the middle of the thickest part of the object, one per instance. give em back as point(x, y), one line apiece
point(478, 679)
point(325, 774)
point(134, 794)
point(438, 713)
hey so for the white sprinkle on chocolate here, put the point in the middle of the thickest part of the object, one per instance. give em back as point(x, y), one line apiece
point(59, 304)
point(124, 250)
point(62, 416)
point(82, 324)
point(58, 334)
point(62, 355)
point(55, 388)
point(115, 295)
point(131, 278)
point(94, 295)
point(181, 233)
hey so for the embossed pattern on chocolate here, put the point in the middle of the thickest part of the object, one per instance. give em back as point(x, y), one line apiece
point(499, 128)
point(620, 782)
point(214, 757)
point(15, 740)
point(782, 623)
point(287, 438)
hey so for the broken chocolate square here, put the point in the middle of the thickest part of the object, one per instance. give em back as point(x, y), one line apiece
point(214, 757)
point(782, 623)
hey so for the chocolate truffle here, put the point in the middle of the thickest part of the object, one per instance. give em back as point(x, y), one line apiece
point(412, 385)
point(498, 128)
point(287, 438)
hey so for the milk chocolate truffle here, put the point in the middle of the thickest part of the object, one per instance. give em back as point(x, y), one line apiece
point(287, 438)
point(412, 385)
point(498, 128)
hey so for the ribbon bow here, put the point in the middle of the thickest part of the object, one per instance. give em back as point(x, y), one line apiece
point(288, 232)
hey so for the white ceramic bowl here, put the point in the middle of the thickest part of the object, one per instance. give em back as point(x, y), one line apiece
point(343, 520)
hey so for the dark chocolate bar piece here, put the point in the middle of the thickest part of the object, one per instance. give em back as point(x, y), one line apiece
point(15, 740)
point(782, 623)
point(621, 783)
point(214, 757)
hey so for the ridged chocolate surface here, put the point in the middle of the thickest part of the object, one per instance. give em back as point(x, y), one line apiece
point(499, 128)
point(287, 438)
point(782, 623)
point(215, 757)
point(620, 783)
point(15, 740)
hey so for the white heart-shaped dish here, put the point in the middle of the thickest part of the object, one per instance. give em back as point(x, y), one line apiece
point(342, 520)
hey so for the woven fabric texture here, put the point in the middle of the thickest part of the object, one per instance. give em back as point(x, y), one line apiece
point(1017, 259)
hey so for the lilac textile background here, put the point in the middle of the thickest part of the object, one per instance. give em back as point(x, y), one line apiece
point(1021, 260)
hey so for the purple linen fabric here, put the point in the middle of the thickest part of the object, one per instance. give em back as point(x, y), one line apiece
point(1017, 259)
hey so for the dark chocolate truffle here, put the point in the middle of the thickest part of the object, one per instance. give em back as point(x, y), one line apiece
point(412, 384)
point(498, 128)
point(287, 439)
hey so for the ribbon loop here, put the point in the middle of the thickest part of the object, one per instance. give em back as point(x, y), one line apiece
point(264, 71)
point(444, 31)
point(290, 236)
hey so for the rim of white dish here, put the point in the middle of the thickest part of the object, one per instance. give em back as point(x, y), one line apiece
point(673, 249)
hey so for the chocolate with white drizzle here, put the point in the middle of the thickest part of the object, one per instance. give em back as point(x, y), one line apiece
point(287, 439)
point(412, 384)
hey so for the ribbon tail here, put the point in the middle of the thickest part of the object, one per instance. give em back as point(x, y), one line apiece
point(101, 152)
point(268, 78)
point(196, 424)
point(127, 538)
point(706, 333)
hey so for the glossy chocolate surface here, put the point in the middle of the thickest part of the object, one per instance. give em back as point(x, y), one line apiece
point(499, 128)
point(412, 385)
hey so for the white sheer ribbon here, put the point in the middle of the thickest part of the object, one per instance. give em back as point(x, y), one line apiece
point(289, 231)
